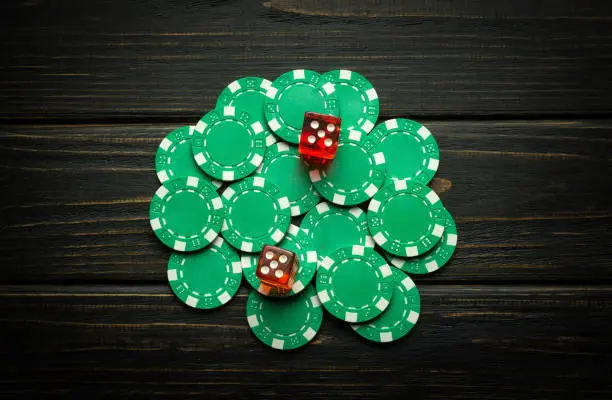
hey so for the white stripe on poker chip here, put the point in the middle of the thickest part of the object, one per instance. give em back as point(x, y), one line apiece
point(371, 190)
point(272, 92)
point(327, 263)
point(315, 301)
point(412, 251)
point(259, 181)
point(191, 301)
point(433, 164)
point(179, 246)
point(315, 175)
point(245, 261)
point(256, 159)
point(224, 226)
point(345, 74)
point(380, 238)
point(277, 235)
point(234, 86)
point(217, 203)
point(374, 205)
point(192, 181)
point(382, 304)
point(356, 211)
point(385, 270)
point(165, 144)
point(386, 337)
point(357, 250)
point(298, 74)
point(200, 159)
point(191, 129)
point(282, 147)
point(162, 176)
point(266, 84)
point(369, 242)
point(270, 140)
point(339, 199)
point(350, 316)
point(210, 235)
point(329, 88)
point(413, 317)
point(322, 208)
point(161, 192)
point(297, 287)
point(295, 210)
point(371, 93)
point(228, 193)
point(283, 202)
point(451, 239)
point(432, 197)
point(172, 275)
point(246, 246)
point(155, 224)
point(309, 334)
point(257, 127)
point(218, 242)
point(293, 230)
point(278, 344)
point(438, 230)
point(408, 283)
point(311, 256)
point(400, 185)
point(379, 158)
point(398, 262)
point(323, 296)
point(200, 126)
point(224, 297)
point(227, 175)
point(274, 125)
point(229, 111)
point(237, 267)
point(424, 132)
point(355, 135)
point(391, 124)
point(431, 266)
point(252, 320)
point(367, 126)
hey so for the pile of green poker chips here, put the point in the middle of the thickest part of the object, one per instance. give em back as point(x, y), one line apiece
point(235, 182)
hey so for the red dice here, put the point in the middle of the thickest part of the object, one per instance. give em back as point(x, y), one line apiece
point(277, 267)
point(319, 138)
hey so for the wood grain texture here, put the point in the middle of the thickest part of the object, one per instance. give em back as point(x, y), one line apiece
point(170, 59)
point(529, 199)
point(479, 342)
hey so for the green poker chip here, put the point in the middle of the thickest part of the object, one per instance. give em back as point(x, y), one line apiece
point(296, 241)
point(257, 214)
point(248, 94)
point(356, 173)
point(174, 158)
point(330, 228)
point(401, 315)
point(419, 156)
point(355, 284)
point(186, 214)
point(283, 166)
point(292, 95)
point(208, 278)
point(357, 99)
point(228, 144)
point(406, 218)
point(285, 324)
point(435, 258)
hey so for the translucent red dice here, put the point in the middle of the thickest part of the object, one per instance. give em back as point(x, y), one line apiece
point(319, 138)
point(277, 267)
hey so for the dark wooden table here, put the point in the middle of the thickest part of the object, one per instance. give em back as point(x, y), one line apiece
point(518, 95)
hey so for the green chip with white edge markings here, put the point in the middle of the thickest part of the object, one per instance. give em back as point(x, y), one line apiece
point(186, 214)
point(208, 278)
point(257, 213)
point(248, 94)
point(357, 99)
point(409, 148)
point(355, 284)
point(435, 258)
point(229, 144)
point(296, 241)
point(285, 324)
point(356, 173)
point(406, 218)
point(401, 315)
point(330, 228)
point(292, 95)
point(174, 158)
point(283, 166)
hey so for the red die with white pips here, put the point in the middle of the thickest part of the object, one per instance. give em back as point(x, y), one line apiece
point(277, 267)
point(319, 138)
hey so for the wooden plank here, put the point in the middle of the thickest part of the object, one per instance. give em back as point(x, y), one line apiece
point(69, 59)
point(529, 198)
point(473, 342)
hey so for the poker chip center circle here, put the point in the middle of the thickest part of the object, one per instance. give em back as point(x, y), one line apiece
point(245, 101)
point(349, 275)
point(250, 221)
point(274, 315)
point(353, 158)
point(406, 226)
point(206, 280)
point(227, 132)
point(173, 212)
point(334, 231)
point(413, 153)
point(308, 96)
point(298, 186)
